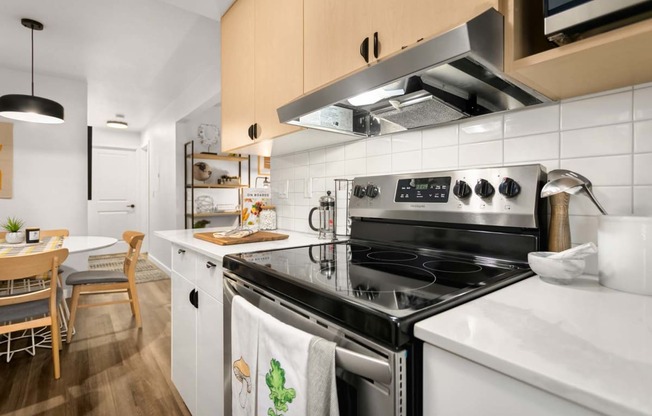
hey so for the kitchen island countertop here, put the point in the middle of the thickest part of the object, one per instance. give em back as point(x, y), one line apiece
point(584, 342)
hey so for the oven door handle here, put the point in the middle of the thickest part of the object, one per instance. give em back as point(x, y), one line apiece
point(353, 362)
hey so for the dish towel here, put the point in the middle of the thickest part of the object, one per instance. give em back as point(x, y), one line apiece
point(322, 388)
point(282, 369)
point(244, 356)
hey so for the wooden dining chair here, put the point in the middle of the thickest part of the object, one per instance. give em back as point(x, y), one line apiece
point(38, 308)
point(94, 282)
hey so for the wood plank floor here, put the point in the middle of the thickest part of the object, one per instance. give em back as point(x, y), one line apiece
point(110, 368)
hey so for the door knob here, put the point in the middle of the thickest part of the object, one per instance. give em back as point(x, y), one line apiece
point(131, 206)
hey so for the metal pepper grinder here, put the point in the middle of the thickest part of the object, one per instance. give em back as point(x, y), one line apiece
point(326, 217)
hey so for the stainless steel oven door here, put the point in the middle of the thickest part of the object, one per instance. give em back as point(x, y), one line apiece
point(371, 379)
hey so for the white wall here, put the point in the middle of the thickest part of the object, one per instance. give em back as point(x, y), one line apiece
point(50, 172)
point(606, 137)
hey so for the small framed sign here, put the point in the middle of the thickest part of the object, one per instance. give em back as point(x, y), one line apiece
point(32, 235)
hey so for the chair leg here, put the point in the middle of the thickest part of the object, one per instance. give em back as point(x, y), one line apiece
point(76, 290)
point(56, 344)
point(135, 306)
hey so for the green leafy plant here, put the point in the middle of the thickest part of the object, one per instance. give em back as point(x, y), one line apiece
point(13, 224)
point(281, 396)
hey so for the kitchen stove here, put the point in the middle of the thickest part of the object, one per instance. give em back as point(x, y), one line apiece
point(420, 244)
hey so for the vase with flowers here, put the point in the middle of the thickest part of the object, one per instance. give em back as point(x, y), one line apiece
point(13, 226)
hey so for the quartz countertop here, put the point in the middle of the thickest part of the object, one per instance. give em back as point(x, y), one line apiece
point(185, 238)
point(584, 342)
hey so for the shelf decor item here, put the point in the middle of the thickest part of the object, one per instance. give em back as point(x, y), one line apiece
point(201, 171)
point(203, 203)
point(209, 135)
point(32, 235)
point(13, 226)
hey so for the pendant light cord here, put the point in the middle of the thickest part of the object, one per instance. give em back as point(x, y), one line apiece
point(32, 61)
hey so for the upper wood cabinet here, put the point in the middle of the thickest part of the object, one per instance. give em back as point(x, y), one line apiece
point(335, 30)
point(262, 68)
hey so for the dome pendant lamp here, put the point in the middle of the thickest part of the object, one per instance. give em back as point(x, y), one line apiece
point(30, 107)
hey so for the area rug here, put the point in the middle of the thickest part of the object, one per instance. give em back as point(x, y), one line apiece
point(146, 271)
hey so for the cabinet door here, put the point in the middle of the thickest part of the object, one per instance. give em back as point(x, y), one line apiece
point(402, 22)
point(209, 276)
point(237, 74)
point(210, 356)
point(333, 31)
point(183, 262)
point(278, 69)
point(184, 341)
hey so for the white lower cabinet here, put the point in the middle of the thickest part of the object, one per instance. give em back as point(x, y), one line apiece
point(197, 322)
point(453, 385)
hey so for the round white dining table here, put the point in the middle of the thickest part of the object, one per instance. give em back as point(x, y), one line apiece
point(82, 243)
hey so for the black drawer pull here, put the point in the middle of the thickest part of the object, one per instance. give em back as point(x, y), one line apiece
point(210, 264)
point(181, 251)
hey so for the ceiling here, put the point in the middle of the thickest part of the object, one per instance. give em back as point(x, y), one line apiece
point(137, 56)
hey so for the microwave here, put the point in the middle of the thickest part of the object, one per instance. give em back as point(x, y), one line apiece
point(566, 21)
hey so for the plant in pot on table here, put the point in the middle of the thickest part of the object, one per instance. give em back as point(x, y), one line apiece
point(13, 226)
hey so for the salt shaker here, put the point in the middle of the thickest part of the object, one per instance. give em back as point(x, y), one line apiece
point(268, 217)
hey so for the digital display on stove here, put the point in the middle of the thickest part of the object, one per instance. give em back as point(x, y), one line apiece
point(423, 190)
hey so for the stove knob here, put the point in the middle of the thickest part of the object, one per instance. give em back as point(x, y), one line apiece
point(359, 191)
point(461, 189)
point(483, 188)
point(509, 187)
point(372, 191)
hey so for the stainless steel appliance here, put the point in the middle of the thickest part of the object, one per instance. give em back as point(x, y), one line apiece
point(420, 244)
point(326, 210)
point(450, 76)
point(569, 20)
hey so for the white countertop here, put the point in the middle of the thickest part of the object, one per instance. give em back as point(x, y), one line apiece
point(185, 238)
point(584, 342)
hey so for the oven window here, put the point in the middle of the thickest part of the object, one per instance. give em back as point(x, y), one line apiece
point(347, 396)
point(558, 6)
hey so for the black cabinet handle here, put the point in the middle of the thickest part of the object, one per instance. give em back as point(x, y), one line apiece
point(376, 45)
point(131, 206)
point(181, 251)
point(364, 49)
point(210, 264)
point(196, 299)
point(256, 131)
point(191, 297)
point(250, 132)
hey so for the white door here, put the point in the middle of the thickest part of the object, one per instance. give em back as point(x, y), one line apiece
point(113, 208)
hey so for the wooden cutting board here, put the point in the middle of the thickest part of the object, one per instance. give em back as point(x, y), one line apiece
point(253, 238)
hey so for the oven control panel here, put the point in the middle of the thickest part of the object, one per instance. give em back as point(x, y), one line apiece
point(503, 196)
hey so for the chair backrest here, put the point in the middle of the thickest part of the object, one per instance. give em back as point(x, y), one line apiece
point(135, 241)
point(20, 267)
point(55, 233)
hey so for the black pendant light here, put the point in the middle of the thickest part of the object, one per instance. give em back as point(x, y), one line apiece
point(30, 107)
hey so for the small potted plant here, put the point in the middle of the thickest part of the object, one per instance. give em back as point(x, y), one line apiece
point(13, 226)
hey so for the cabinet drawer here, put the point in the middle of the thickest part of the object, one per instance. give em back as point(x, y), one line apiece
point(183, 262)
point(209, 276)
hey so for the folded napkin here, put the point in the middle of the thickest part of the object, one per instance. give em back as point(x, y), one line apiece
point(322, 388)
point(244, 356)
point(235, 233)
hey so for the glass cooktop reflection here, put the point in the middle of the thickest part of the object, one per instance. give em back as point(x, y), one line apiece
point(394, 281)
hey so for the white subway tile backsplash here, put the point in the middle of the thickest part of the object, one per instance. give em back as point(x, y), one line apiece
point(317, 156)
point(583, 229)
point(597, 94)
point(643, 136)
point(406, 142)
point(379, 165)
point(302, 159)
point(440, 136)
point(531, 148)
point(335, 154)
point(642, 103)
point(355, 150)
point(597, 141)
point(439, 158)
point(318, 170)
point(597, 111)
point(481, 129)
point(406, 162)
point(643, 200)
point(335, 168)
point(356, 167)
point(301, 172)
point(616, 200)
point(603, 171)
point(379, 145)
point(534, 121)
point(643, 169)
point(481, 154)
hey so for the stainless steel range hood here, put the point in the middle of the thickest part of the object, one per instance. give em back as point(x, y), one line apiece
point(454, 75)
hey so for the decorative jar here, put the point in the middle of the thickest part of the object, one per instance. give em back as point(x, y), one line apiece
point(268, 217)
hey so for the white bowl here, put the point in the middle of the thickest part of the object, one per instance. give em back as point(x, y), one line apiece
point(557, 271)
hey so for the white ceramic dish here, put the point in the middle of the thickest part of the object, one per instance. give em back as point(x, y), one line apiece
point(556, 271)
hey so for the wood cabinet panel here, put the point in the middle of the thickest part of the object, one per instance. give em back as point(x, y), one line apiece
point(401, 23)
point(237, 74)
point(333, 31)
point(278, 62)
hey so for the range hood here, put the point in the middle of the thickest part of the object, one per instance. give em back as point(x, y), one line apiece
point(451, 76)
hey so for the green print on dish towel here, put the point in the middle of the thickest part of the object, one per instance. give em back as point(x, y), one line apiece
point(275, 380)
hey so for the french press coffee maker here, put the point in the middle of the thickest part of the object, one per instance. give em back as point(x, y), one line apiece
point(326, 217)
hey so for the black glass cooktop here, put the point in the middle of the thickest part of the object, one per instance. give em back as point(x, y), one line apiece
point(378, 289)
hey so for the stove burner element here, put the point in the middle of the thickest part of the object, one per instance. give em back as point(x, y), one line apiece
point(392, 256)
point(389, 277)
point(451, 266)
